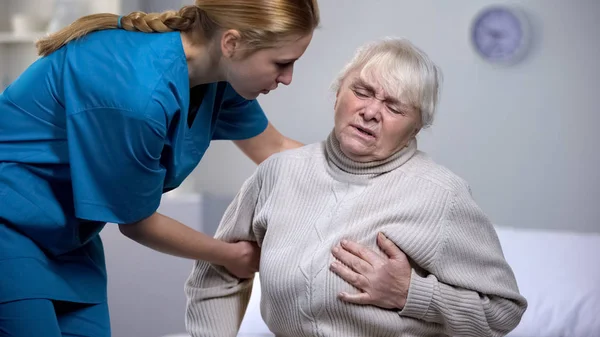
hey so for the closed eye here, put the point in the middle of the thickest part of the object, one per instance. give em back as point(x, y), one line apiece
point(283, 64)
point(396, 111)
point(360, 92)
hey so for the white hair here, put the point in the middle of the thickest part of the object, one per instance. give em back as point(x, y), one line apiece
point(402, 70)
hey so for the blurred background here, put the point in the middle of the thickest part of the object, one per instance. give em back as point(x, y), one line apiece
point(524, 134)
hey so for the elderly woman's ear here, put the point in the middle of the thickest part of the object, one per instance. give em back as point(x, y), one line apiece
point(416, 132)
point(337, 95)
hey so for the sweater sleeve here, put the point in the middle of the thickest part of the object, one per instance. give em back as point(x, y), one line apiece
point(216, 300)
point(470, 290)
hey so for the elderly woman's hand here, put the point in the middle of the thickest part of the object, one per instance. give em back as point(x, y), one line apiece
point(383, 280)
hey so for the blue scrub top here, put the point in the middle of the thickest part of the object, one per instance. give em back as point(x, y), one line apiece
point(96, 132)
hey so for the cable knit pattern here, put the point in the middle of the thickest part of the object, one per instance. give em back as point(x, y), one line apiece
point(300, 203)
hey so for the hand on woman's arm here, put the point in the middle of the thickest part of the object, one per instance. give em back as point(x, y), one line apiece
point(216, 301)
point(169, 236)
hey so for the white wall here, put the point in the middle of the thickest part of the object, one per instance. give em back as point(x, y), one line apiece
point(15, 57)
point(523, 136)
point(161, 5)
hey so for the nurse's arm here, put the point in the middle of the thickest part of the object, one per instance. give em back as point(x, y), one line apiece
point(169, 236)
point(268, 142)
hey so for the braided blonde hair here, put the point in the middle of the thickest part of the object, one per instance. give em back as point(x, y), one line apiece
point(261, 23)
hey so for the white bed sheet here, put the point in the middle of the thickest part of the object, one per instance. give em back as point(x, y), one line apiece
point(559, 274)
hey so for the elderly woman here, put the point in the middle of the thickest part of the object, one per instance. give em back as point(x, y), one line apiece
point(367, 183)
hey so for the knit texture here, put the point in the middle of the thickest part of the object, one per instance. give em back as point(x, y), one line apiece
point(300, 203)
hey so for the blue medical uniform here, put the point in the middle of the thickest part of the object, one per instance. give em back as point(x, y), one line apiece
point(92, 134)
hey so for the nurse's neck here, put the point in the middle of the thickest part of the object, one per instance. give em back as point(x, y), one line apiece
point(202, 61)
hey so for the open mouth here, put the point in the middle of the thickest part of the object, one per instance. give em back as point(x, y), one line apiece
point(365, 131)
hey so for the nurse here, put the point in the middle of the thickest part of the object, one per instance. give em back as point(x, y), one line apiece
point(117, 111)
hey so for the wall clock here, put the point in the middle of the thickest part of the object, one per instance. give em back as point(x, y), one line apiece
point(501, 34)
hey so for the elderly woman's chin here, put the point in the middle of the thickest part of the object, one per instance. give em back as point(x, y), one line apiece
point(357, 149)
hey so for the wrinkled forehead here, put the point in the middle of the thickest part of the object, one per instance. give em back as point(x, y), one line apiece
point(391, 80)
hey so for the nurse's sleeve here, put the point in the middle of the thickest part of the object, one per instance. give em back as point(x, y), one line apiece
point(239, 118)
point(115, 165)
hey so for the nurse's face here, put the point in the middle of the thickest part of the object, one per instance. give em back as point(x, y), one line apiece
point(263, 70)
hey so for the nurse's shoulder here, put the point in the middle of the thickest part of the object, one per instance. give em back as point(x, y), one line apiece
point(141, 74)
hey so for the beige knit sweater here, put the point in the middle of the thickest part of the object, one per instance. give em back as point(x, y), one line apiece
point(300, 203)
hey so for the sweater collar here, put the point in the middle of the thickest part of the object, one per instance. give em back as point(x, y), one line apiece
point(341, 161)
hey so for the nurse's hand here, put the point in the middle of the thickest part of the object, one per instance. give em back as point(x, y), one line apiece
point(243, 259)
point(382, 280)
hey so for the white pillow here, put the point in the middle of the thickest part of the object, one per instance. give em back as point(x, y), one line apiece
point(559, 275)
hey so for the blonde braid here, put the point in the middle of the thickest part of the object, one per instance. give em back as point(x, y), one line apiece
point(186, 19)
point(183, 20)
point(261, 23)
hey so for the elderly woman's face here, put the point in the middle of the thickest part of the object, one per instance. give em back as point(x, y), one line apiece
point(369, 124)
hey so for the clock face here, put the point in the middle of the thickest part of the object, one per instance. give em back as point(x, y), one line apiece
point(499, 35)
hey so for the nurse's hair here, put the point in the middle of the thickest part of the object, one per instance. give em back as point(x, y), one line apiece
point(401, 70)
point(261, 23)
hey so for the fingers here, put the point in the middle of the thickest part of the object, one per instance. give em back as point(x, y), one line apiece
point(362, 252)
point(350, 260)
point(355, 279)
point(242, 272)
point(388, 247)
point(362, 298)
